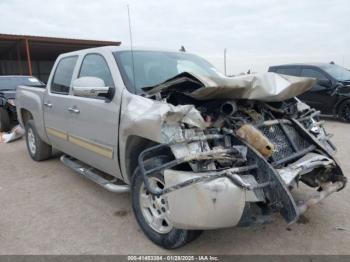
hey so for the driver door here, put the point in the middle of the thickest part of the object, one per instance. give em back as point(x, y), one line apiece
point(93, 131)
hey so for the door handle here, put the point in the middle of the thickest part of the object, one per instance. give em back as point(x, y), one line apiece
point(74, 110)
point(48, 104)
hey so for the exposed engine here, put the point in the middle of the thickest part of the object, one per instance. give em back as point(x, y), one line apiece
point(267, 127)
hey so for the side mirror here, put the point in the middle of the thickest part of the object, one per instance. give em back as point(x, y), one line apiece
point(326, 83)
point(89, 86)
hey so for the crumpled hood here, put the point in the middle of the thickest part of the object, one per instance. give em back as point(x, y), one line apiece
point(267, 87)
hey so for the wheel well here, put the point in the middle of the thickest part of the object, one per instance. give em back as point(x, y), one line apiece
point(26, 115)
point(134, 146)
point(340, 103)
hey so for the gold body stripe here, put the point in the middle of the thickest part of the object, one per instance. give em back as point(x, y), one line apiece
point(61, 134)
point(92, 146)
point(82, 142)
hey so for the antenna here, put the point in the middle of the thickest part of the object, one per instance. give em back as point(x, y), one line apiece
point(225, 51)
point(131, 48)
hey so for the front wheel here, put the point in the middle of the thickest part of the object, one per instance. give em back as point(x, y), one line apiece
point(344, 111)
point(152, 212)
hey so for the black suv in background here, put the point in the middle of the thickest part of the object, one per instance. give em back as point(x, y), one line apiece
point(331, 93)
point(8, 85)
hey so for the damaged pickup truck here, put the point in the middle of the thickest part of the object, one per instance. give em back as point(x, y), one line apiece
point(196, 149)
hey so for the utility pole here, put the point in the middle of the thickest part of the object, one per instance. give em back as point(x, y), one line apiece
point(225, 61)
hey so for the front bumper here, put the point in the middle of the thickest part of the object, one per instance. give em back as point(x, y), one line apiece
point(223, 198)
point(213, 200)
point(216, 203)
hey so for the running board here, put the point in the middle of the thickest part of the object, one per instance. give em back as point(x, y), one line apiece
point(90, 173)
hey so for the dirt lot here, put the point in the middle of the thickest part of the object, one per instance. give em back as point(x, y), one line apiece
point(47, 209)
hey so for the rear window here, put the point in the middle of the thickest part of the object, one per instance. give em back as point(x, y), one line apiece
point(63, 75)
point(287, 71)
point(11, 82)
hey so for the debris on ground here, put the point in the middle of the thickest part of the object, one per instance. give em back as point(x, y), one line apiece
point(340, 228)
point(16, 133)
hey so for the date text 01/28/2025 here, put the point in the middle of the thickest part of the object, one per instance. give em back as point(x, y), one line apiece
point(173, 258)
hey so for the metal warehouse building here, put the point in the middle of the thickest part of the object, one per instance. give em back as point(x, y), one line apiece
point(35, 55)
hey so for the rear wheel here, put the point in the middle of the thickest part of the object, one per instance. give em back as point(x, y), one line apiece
point(344, 111)
point(152, 212)
point(4, 120)
point(37, 148)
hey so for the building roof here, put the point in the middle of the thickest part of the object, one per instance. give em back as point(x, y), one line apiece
point(46, 39)
point(44, 48)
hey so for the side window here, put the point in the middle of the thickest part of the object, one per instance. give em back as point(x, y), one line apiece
point(288, 71)
point(63, 75)
point(308, 72)
point(95, 65)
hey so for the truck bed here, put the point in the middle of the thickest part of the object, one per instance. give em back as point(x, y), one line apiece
point(30, 99)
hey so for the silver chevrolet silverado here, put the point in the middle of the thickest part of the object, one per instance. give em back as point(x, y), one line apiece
point(197, 150)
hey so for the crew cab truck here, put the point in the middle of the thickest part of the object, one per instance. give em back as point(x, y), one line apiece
point(197, 150)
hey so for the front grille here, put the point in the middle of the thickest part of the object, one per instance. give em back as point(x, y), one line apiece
point(283, 148)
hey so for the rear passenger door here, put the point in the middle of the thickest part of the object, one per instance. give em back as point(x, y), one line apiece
point(56, 101)
point(318, 96)
point(291, 71)
point(93, 131)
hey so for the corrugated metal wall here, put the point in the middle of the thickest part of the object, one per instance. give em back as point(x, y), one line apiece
point(41, 69)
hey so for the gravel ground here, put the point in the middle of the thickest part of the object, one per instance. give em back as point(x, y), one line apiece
point(47, 209)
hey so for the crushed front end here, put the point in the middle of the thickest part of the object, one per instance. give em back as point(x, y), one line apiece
point(238, 161)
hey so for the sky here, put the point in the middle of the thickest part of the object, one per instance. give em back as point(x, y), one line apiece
point(256, 34)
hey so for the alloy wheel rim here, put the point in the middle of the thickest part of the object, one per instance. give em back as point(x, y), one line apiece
point(345, 112)
point(31, 141)
point(155, 209)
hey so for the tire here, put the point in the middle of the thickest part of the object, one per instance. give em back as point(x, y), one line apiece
point(166, 237)
point(4, 120)
point(344, 111)
point(37, 148)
